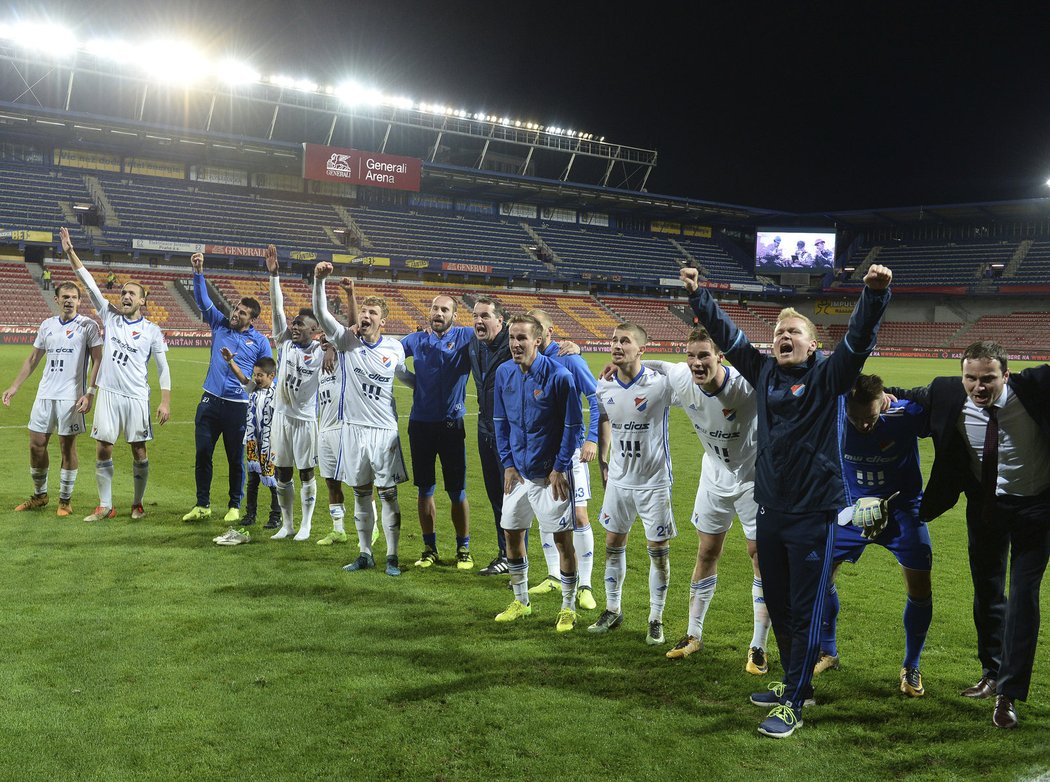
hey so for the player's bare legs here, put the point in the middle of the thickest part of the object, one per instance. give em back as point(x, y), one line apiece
point(38, 467)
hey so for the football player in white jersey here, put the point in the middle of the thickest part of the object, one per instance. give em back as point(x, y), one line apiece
point(722, 408)
point(293, 437)
point(371, 449)
point(68, 341)
point(122, 405)
point(636, 401)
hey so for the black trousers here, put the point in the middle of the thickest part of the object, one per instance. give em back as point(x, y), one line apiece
point(251, 496)
point(219, 418)
point(1008, 628)
point(492, 471)
point(795, 555)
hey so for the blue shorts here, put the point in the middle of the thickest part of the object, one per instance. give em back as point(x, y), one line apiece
point(905, 537)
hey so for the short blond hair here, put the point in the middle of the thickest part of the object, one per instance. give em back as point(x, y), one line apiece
point(791, 312)
point(640, 335)
point(376, 301)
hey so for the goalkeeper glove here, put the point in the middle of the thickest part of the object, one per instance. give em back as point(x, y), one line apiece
point(872, 515)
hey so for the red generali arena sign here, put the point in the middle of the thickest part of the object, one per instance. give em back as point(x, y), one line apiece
point(335, 164)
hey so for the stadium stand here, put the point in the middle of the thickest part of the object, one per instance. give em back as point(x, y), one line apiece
point(653, 315)
point(34, 196)
point(606, 254)
point(940, 264)
point(24, 302)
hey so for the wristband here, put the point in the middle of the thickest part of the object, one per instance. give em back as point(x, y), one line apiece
point(91, 391)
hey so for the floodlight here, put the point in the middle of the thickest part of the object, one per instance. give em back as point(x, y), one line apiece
point(305, 85)
point(173, 61)
point(284, 82)
point(1048, 183)
point(233, 72)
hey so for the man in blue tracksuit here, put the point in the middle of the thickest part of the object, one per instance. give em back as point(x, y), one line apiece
point(538, 418)
point(435, 425)
point(798, 475)
point(223, 409)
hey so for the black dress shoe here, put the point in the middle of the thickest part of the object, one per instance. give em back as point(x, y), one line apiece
point(985, 688)
point(1004, 715)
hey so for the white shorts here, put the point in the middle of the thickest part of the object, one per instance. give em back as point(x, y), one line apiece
point(293, 443)
point(713, 513)
point(56, 415)
point(581, 477)
point(652, 506)
point(372, 455)
point(532, 498)
point(119, 416)
point(329, 442)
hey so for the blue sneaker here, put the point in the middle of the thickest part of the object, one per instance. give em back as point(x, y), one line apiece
point(781, 722)
point(392, 568)
point(363, 562)
point(773, 696)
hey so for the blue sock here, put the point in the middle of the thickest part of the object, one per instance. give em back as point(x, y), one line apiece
point(430, 540)
point(917, 617)
point(829, 623)
point(464, 541)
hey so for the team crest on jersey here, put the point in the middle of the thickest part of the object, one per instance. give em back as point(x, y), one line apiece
point(135, 334)
point(307, 358)
point(248, 343)
point(537, 393)
point(798, 390)
point(730, 415)
point(640, 403)
point(69, 333)
point(450, 344)
point(887, 445)
point(386, 361)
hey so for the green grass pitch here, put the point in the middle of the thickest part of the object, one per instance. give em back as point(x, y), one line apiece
point(141, 651)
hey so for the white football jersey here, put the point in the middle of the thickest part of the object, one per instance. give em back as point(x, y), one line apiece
point(298, 376)
point(726, 423)
point(638, 413)
point(67, 350)
point(126, 352)
point(329, 396)
point(368, 379)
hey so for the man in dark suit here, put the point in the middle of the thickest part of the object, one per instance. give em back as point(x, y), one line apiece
point(991, 435)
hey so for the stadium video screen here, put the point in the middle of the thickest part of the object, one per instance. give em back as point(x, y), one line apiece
point(804, 250)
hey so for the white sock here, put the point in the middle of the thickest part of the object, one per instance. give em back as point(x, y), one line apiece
point(550, 554)
point(700, 594)
point(659, 576)
point(615, 572)
point(391, 519)
point(39, 476)
point(140, 472)
point(519, 579)
point(568, 590)
point(583, 541)
point(66, 479)
point(104, 481)
point(337, 512)
point(364, 520)
point(760, 637)
point(308, 497)
point(286, 499)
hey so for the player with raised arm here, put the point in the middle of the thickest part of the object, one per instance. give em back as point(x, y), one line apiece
point(880, 458)
point(586, 451)
point(721, 406)
point(371, 445)
point(636, 402)
point(539, 422)
point(294, 431)
point(223, 409)
point(122, 404)
point(798, 472)
point(68, 341)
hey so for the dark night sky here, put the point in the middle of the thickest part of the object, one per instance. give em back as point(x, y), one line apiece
point(795, 106)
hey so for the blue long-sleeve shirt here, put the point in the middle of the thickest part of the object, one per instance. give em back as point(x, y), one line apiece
point(886, 459)
point(585, 384)
point(538, 417)
point(441, 367)
point(799, 463)
point(247, 346)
